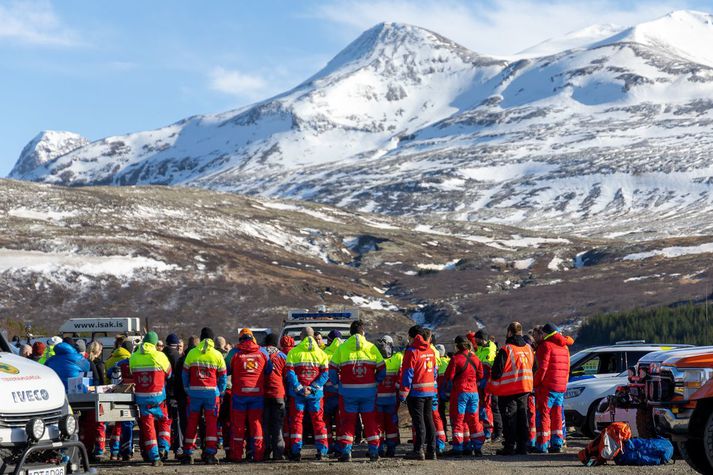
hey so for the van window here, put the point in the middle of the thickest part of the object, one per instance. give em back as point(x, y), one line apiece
point(633, 357)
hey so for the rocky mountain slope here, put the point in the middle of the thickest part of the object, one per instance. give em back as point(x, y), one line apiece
point(609, 136)
point(184, 258)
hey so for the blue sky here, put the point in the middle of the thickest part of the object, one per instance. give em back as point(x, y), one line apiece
point(108, 68)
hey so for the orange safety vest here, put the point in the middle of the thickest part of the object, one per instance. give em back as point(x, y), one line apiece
point(517, 374)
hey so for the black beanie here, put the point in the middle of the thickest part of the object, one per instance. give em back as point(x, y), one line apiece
point(207, 333)
point(549, 328)
point(481, 335)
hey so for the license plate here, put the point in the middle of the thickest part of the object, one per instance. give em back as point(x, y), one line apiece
point(49, 470)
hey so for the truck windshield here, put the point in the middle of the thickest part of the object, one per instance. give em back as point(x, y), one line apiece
point(4, 345)
point(324, 330)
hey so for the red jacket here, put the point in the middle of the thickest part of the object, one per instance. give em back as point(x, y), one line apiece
point(275, 381)
point(248, 368)
point(419, 370)
point(552, 364)
point(462, 375)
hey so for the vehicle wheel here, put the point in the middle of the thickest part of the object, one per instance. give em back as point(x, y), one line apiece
point(694, 455)
point(589, 428)
point(708, 442)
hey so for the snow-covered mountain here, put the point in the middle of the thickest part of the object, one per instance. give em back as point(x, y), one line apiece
point(46, 146)
point(610, 135)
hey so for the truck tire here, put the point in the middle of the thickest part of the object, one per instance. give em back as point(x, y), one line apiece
point(589, 428)
point(708, 442)
point(694, 455)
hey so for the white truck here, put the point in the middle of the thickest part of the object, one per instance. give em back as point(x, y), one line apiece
point(38, 432)
point(103, 330)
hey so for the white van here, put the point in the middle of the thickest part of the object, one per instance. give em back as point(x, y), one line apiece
point(38, 432)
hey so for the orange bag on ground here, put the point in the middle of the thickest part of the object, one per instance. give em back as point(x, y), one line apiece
point(607, 445)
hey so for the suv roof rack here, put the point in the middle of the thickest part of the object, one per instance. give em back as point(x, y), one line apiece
point(630, 342)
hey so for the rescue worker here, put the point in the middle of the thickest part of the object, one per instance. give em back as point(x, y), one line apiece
point(274, 412)
point(67, 363)
point(204, 377)
point(486, 350)
point(511, 380)
point(357, 368)
point(117, 369)
point(307, 370)
point(387, 403)
point(419, 372)
point(248, 367)
point(49, 349)
point(550, 385)
point(287, 343)
point(331, 393)
point(173, 355)
point(181, 395)
point(320, 341)
point(463, 373)
point(531, 407)
point(151, 371)
point(38, 350)
point(439, 408)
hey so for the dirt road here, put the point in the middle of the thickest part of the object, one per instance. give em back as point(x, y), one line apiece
point(566, 463)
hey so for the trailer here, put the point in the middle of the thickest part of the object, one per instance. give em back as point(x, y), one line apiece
point(109, 407)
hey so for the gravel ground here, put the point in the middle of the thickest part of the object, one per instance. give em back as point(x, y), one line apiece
point(564, 463)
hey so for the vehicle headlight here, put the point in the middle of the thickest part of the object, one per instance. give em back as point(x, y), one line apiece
point(35, 429)
point(573, 392)
point(68, 425)
point(689, 380)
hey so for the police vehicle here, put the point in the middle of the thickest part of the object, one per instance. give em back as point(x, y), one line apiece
point(38, 432)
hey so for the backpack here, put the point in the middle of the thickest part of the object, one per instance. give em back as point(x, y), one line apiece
point(639, 451)
point(608, 444)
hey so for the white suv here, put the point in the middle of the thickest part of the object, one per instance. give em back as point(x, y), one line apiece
point(595, 373)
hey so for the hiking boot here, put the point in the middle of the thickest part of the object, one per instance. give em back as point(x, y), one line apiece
point(318, 455)
point(113, 458)
point(296, 457)
point(521, 451)
point(555, 450)
point(477, 453)
point(505, 452)
point(157, 463)
point(345, 457)
point(186, 460)
point(126, 458)
point(453, 453)
point(431, 456)
point(390, 452)
point(210, 459)
point(415, 455)
point(374, 457)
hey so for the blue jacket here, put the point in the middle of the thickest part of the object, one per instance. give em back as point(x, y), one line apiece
point(68, 363)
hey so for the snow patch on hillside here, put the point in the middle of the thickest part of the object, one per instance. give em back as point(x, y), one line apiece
point(669, 252)
point(49, 263)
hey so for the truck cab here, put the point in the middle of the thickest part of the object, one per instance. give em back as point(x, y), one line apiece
point(679, 390)
point(38, 432)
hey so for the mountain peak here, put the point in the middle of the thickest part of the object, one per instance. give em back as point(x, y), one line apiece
point(684, 33)
point(44, 147)
point(391, 40)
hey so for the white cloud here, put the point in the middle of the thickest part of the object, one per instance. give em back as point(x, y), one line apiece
point(503, 27)
point(34, 23)
point(237, 83)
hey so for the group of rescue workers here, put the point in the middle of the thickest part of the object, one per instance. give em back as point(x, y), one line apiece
point(238, 397)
